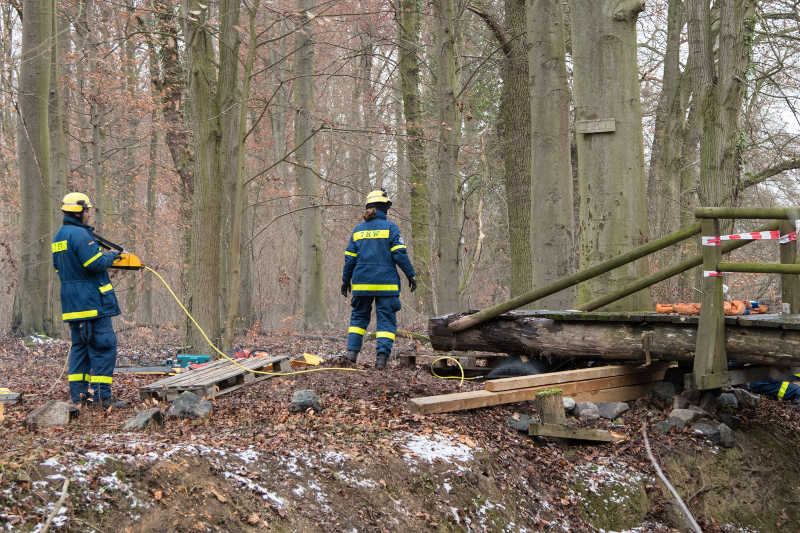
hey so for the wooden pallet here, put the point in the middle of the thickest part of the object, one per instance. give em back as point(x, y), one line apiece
point(215, 379)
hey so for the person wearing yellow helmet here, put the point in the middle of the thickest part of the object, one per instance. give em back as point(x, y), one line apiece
point(371, 259)
point(87, 304)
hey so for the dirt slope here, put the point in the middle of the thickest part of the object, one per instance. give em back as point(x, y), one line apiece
point(366, 463)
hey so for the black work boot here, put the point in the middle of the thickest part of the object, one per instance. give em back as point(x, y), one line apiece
point(114, 402)
point(380, 360)
point(352, 356)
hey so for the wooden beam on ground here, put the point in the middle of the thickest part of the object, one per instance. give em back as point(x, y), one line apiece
point(566, 432)
point(614, 388)
point(554, 378)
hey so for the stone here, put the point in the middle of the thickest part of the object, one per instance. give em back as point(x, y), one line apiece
point(727, 400)
point(663, 391)
point(189, 405)
point(745, 397)
point(569, 404)
point(150, 417)
point(587, 411)
point(680, 417)
point(305, 399)
point(663, 427)
point(520, 424)
point(709, 431)
point(732, 421)
point(53, 413)
point(727, 439)
point(708, 401)
point(685, 399)
point(611, 410)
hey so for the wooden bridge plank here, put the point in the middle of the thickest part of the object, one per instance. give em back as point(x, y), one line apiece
point(655, 371)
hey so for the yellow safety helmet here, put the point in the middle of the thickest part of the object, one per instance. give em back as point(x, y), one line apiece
point(75, 202)
point(378, 196)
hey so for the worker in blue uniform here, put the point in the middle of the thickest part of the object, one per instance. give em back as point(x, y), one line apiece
point(782, 390)
point(371, 259)
point(87, 304)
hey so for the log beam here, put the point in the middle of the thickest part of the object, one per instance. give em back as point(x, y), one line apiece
point(766, 342)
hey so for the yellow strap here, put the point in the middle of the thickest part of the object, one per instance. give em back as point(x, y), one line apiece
point(398, 247)
point(351, 254)
point(58, 246)
point(353, 329)
point(370, 287)
point(101, 379)
point(384, 335)
point(77, 377)
point(91, 259)
point(782, 391)
point(79, 314)
point(105, 288)
point(371, 234)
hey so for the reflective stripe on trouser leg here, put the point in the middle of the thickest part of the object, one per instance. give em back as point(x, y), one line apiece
point(103, 356)
point(78, 366)
point(386, 308)
point(359, 320)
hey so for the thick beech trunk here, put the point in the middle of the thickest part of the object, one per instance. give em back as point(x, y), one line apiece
point(597, 337)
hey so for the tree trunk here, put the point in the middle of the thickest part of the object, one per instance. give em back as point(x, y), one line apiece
point(552, 200)
point(312, 288)
point(409, 51)
point(204, 281)
point(31, 307)
point(448, 226)
point(129, 199)
point(533, 334)
point(718, 88)
point(610, 159)
point(171, 87)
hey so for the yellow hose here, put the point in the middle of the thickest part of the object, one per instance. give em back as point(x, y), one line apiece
point(226, 356)
point(461, 368)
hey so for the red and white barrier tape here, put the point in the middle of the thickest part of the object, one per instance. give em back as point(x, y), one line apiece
point(712, 274)
point(789, 237)
point(750, 235)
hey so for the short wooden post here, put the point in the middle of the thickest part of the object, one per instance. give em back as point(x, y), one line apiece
point(710, 358)
point(550, 405)
point(790, 283)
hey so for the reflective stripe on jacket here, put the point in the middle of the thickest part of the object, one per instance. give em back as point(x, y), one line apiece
point(372, 256)
point(86, 291)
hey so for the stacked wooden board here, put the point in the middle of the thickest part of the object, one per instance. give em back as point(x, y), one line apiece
point(613, 383)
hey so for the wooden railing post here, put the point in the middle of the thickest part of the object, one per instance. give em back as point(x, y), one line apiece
point(790, 283)
point(710, 359)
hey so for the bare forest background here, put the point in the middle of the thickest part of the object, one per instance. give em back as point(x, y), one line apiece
point(230, 144)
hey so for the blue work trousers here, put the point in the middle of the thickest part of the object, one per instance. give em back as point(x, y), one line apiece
point(92, 358)
point(386, 308)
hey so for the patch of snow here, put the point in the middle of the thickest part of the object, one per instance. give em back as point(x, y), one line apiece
point(249, 455)
point(365, 483)
point(299, 491)
point(446, 487)
point(53, 463)
point(335, 457)
point(430, 448)
point(255, 487)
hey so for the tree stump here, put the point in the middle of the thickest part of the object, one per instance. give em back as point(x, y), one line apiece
point(550, 405)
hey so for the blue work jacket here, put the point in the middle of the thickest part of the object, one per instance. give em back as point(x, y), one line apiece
point(372, 256)
point(86, 291)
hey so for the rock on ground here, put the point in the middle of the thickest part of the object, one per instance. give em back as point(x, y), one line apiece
point(154, 416)
point(727, 439)
point(587, 411)
point(53, 413)
point(680, 417)
point(305, 399)
point(611, 410)
point(728, 399)
point(569, 403)
point(746, 398)
point(189, 405)
point(520, 424)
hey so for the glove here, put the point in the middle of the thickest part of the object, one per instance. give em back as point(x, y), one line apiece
point(412, 284)
point(115, 254)
point(345, 288)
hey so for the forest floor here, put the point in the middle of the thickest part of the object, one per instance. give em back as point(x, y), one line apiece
point(366, 463)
